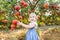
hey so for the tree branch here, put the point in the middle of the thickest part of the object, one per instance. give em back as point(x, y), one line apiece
point(35, 5)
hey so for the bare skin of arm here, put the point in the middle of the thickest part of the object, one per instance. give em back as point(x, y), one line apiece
point(24, 25)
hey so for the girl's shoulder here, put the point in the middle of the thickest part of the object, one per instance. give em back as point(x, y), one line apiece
point(34, 23)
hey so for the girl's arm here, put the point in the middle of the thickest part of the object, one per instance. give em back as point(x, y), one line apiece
point(26, 26)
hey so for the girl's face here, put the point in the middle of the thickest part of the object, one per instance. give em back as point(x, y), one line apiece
point(32, 18)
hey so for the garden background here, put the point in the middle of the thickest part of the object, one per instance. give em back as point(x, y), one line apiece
point(48, 18)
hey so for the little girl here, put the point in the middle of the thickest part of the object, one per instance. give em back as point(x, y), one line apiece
point(31, 34)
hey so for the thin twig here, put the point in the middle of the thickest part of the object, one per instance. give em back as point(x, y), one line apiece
point(35, 4)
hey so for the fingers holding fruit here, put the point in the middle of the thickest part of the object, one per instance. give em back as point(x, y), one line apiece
point(19, 23)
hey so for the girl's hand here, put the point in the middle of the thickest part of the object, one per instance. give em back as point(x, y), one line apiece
point(19, 23)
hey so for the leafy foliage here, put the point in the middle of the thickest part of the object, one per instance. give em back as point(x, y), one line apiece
point(48, 11)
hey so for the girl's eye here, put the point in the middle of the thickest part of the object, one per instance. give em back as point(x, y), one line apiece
point(32, 17)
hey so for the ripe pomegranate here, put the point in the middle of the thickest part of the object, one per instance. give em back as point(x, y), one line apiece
point(17, 13)
point(14, 22)
point(25, 4)
point(22, 2)
point(17, 7)
point(5, 21)
point(38, 17)
point(46, 5)
point(21, 17)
